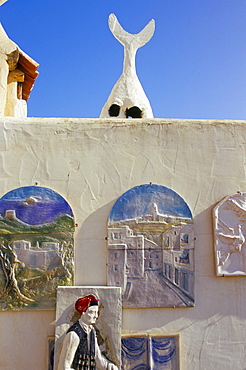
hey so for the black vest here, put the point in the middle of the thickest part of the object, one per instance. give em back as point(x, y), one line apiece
point(84, 358)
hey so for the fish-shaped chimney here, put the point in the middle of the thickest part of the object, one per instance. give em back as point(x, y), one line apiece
point(127, 98)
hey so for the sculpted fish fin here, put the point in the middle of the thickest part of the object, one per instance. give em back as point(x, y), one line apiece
point(145, 35)
point(119, 33)
point(125, 37)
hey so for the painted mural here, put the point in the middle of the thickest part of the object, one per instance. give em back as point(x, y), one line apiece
point(151, 248)
point(150, 352)
point(230, 235)
point(36, 247)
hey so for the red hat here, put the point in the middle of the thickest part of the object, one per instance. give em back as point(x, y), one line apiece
point(83, 303)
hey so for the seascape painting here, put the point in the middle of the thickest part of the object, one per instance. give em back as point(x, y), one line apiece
point(36, 248)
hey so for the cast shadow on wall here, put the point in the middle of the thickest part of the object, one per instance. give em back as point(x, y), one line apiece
point(91, 248)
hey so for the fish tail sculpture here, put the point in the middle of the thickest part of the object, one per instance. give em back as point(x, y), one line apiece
point(127, 98)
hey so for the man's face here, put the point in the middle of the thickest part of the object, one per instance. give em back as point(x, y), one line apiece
point(90, 315)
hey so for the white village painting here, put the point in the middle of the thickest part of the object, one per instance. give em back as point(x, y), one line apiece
point(230, 234)
point(151, 248)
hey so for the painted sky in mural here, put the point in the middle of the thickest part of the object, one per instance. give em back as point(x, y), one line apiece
point(35, 205)
point(136, 202)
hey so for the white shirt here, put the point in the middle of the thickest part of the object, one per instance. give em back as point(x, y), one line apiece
point(69, 348)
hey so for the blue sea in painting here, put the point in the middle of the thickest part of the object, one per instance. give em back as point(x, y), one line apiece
point(136, 202)
point(35, 205)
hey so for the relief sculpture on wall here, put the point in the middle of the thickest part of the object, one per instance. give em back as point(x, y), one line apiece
point(229, 235)
point(151, 248)
point(88, 328)
point(36, 247)
point(80, 349)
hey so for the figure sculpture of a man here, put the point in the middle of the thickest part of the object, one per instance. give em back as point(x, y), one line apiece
point(80, 350)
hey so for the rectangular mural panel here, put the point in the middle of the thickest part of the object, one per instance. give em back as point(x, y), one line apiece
point(151, 248)
point(150, 352)
point(229, 235)
point(107, 327)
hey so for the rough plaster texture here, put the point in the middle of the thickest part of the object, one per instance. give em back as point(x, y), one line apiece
point(91, 163)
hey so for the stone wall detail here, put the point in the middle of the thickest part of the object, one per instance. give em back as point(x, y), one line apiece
point(151, 248)
point(36, 247)
point(229, 235)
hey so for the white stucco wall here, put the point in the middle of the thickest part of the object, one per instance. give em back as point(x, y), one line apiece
point(91, 163)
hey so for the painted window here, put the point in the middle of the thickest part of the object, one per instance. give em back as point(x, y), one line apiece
point(169, 271)
point(166, 241)
point(186, 281)
point(176, 276)
point(184, 257)
point(185, 238)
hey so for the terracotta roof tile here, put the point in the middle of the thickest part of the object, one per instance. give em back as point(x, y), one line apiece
point(29, 67)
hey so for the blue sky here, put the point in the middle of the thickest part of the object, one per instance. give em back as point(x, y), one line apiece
point(193, 67)
point(35, 205)
point(138, 201)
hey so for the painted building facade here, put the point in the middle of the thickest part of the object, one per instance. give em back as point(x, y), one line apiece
point(131, 256)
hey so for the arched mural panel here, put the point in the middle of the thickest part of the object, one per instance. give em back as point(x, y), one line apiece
point(151, 248)
point(36, 247)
